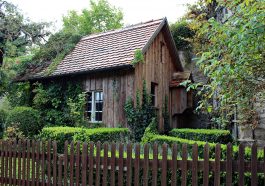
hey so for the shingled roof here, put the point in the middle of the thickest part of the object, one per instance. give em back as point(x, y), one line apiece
point(106, 50)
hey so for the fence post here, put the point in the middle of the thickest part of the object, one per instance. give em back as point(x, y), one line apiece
point(19, 162)
point(155, 164)
point(49, 162)
point(174, 165)
point(229, 164)
point(28, 162)
point(254, 162)
point(72, 159)
point(84, 164)
point(43, 162)
point(184, 165)
point(77, 162)
point(65, 162)
point(206, 165)
point(37, 163)
point(120, 173)
point(217, 165)
point(241, 164)
point(54, 145)
point(98, 164)
point(91, 163)
point(195, 164)
point(129, 164)
point(137, 164)
point(164, 165)
point(105, 164)
point(146, 165)
point(113, 166)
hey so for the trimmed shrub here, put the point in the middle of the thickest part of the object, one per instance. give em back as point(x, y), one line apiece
point(61, 134)
point(26, 119)
point(160, 139)
point(208, 135)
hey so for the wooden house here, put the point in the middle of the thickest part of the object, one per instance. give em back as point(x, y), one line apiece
point(103, 63)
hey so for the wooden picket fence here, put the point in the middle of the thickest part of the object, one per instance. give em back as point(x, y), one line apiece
point(38, 163)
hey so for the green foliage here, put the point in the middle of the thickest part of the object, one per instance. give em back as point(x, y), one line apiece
point(207, 135)
point(100, 18)
point(17, 33)
point(150, 131)
point(77, 109)
point(19, 94)
point(53, 51)
point(161, 139)
point(232, 57)
point(13, 133)
point(166, 117)
point(26, 119)
point(3, 116)
point(182, 35)
point(138, 57)
point(60, 103)
point(140, 115)
point(61, 134)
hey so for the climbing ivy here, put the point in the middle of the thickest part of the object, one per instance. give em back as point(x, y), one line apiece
point(139, 115)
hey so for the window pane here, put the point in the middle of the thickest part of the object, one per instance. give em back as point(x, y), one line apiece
point(153, 88)
point(98, 116)
point(89, 106)
point(89, 96)
point(89, 115)
point(153, 100)
point(99, 106)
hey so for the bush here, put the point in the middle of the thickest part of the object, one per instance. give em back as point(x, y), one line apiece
point(26, 119)
point(208, 135)
point(61, 134)
point(3, 115)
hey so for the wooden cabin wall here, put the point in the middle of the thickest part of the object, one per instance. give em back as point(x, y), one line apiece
point(117, 87)
point(157, 71)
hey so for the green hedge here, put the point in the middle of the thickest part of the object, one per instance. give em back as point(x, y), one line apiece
point(160, 139)
point(61, 134)
point(208, 135)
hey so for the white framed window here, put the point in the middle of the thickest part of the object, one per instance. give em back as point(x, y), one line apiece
point(94, 106)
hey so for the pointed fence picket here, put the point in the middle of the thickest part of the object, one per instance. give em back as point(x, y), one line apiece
point(38, 163)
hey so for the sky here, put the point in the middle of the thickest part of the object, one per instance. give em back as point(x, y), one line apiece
point(135, 11)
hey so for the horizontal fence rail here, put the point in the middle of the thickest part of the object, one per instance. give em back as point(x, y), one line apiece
point(39, 163)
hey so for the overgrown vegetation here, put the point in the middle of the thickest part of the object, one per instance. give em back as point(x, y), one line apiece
point(231, 56)
point(182, 35)
point(140, 115)
point(138, 57)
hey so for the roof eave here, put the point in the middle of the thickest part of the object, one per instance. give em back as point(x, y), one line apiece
point(121, 67)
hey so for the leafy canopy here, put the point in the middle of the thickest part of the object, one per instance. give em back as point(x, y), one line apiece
point(100, 17)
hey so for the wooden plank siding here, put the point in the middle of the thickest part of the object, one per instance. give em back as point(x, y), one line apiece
point(117, 87)
point(158, 68)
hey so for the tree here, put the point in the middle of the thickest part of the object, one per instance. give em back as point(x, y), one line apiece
point(17, 33)
point(182, 35)
point(100, 18)
point(232, 56)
